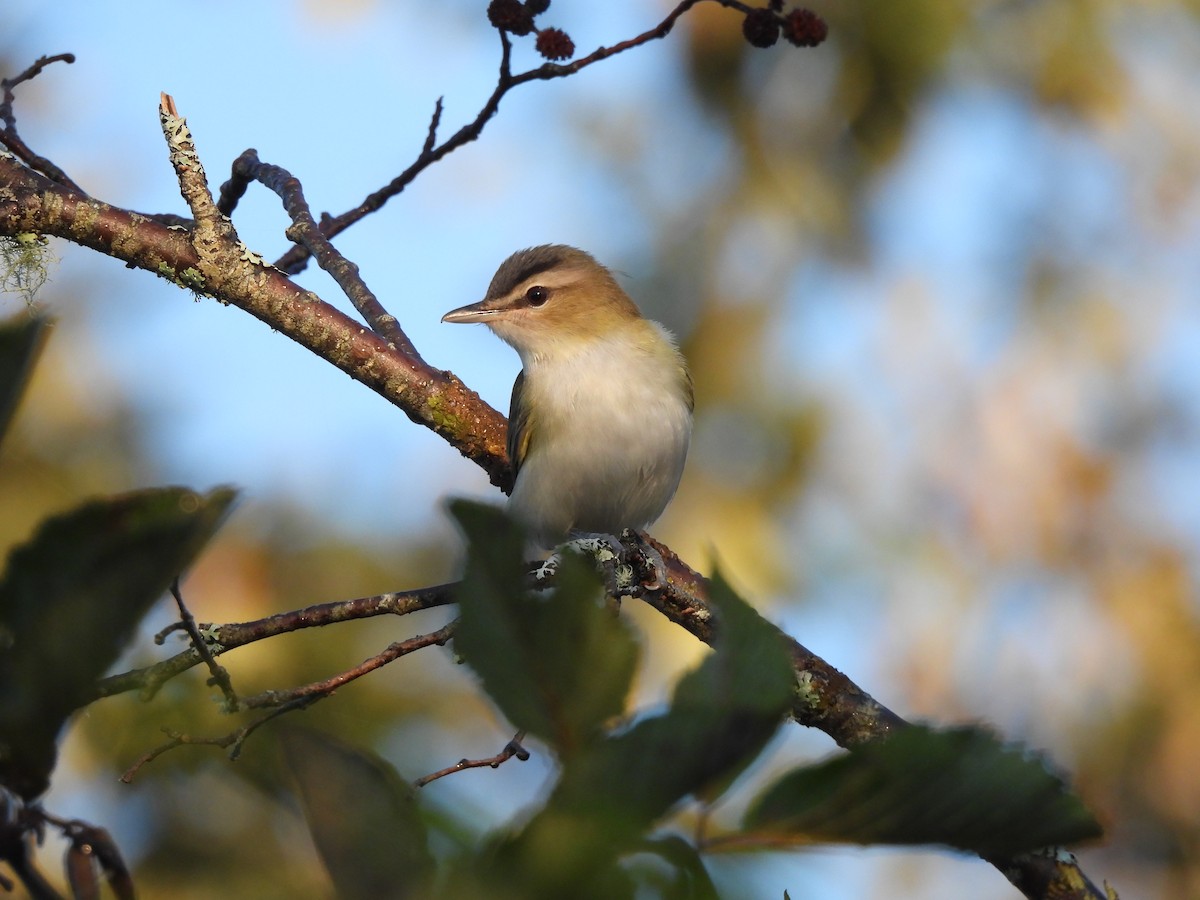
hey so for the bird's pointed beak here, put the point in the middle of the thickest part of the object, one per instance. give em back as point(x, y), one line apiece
point(476, 312)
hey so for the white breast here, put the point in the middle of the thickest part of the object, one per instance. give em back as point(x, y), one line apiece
point(611, 434)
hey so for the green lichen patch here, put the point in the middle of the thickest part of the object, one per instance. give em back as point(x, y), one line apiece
point(24, 264)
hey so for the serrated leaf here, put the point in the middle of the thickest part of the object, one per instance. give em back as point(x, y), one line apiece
point(21, 339)
point(721, 716)
point(363, 818)
point(70, 598)
point(959, 787)
point(558, 664)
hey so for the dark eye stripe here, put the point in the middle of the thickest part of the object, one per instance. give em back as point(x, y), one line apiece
point(542, 264)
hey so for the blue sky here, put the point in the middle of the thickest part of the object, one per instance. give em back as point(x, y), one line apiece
point(344, 102)
point(344, 105)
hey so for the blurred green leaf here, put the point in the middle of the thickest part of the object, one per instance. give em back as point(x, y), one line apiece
point(363, 818)
point(721, 715)
point(558, 663)
point(690, 880)
point(959, 787)
point(70, 598)
point(21, 339)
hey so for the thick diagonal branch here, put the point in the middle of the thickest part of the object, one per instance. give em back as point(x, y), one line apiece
point(32, 203)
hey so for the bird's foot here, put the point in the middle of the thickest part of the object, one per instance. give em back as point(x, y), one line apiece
point(648, 568)
point(629, 564)
point(604, 550)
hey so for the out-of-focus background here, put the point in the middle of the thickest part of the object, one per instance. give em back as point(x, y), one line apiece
point(939, 283)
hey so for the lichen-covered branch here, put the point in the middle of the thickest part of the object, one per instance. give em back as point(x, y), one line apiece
point(305, 232)
point(207, 257)
point(230, 273)
point(829, 701)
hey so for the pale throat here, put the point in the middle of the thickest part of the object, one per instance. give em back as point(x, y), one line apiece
point(637, 360)
point(608, 433)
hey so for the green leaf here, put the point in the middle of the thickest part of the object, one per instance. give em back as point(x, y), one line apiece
point(21, 339)
point(558, 664)
point(69, 600)
point(959, 787)
point(721, 716)
point(473, 878)
point(362, 816)
point(691, 880)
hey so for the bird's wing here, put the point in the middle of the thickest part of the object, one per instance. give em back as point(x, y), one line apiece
point(519, 431)
point(689, 387)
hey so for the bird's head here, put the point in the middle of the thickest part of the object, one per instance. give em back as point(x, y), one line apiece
point(547, 299)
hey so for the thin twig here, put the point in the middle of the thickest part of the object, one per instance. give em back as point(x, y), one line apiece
point(223, 638)
point(286, 701)
point(431, 137)
point(7, 85)
point(681, 599)
point(304, 230)
point(296, 258)
point(220, 676)
point(223, 267)
point(8, 134)
point(234, 740)
point(329, 685)
point(511, 749)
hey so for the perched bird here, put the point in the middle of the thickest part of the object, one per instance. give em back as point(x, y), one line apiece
point(601, 413)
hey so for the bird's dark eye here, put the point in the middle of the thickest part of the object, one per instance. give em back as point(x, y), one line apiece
point(537, 295)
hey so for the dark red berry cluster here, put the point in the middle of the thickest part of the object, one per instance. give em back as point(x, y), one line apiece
point(802, 27)
point(554, 43)
point(761, 27)
point(511, 15)
point(805, 28)
point(516, 17)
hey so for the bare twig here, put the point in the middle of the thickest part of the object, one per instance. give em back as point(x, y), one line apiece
point(8, 135)
point(227, 269)
point(286, 701)
point(330, 685)
point(213, 261)
point(295, 259)
point(234, 740)
point(220, 676)
point(223, 638)
point(305, 231)
point(511, 749)
point(431, 137)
